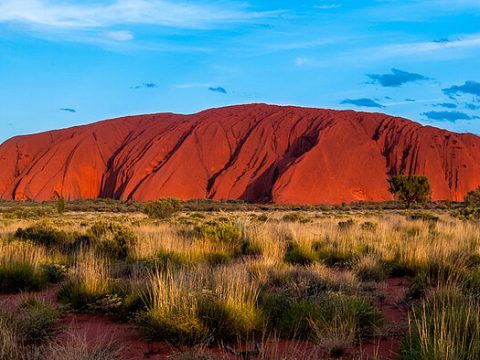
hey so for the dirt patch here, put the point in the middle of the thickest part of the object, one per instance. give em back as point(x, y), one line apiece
point(395, 314)
point(97, 328)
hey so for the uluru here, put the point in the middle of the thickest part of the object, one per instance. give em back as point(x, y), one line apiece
point(257, 153)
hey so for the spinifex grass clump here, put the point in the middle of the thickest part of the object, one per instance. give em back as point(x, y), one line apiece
point(36, 320)
point(21, 267)
point(186, 306)
point(445, 326)
point(312, 302)
point(88, 283)
point(23, 332)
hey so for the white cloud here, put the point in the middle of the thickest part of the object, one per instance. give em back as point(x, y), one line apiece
point(327, 7)
point(70, 15)
point(119, 35)
point(469, 41)
point(300, 61)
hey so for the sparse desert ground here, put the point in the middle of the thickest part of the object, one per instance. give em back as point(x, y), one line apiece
point(368, 283)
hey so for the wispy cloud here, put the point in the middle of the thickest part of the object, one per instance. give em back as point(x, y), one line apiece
point(114, 22)
point(396, 78)
point(122, 35)
point(463, 41)
point(301, 61)
point(327, 6)
point(363, 102)
point(68, 14)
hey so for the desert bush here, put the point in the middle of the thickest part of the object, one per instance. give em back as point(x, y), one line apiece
point(298, 283)
point(162, 209)
point(55, 273)
point(299, 255)
point(249, 247)
point(171, 301)
point(225, 232)
point(369, 268)
point(27, 212)
point(346, 225)
point(78, 348)
point(368, 226)
point(310, 318)
point(439, 273)
point(21, 267)
point(295, 217)
point(446, 325)
point(42, 234)
point(9, 339)
point(190, 306)
point(113, 240)
point(36, 320)
point(424, 216)
point(89, 282)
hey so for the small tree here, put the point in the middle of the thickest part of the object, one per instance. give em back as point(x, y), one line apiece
point(60, 202)
point(410, 188)
point(162, 209)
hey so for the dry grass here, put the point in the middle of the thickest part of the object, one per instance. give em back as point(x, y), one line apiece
point(195, 287)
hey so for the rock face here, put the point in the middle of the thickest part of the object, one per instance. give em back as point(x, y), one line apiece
point(259, 153)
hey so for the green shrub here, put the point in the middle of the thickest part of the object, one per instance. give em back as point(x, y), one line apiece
point(9, 338)
point(225, 322)
point(368, 226)
point(335, 257)
point(472, 199)
point(445, 326)
point(424, 216)
point(114, 241)
point(307, 318)
point(299, 256)
point(21, 276)
point(295, 217)
point(218, 258)
point(162, 209)
point(42, 234)
point(170, 260)
point(369, 269)
point(176, 326)
point(250, 248)
point(225, 232)
point(55, 273)
point(346, 225)
point(37, 320)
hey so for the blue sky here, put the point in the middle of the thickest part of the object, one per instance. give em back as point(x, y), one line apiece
point(65, 62)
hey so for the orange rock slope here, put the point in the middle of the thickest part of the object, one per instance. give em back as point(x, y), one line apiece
point(259, 153)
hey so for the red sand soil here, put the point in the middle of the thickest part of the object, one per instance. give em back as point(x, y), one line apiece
point(255, 152)
point(395, 316)
point(97, 328)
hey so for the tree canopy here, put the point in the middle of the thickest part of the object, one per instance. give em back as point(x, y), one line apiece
point(410, 188)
